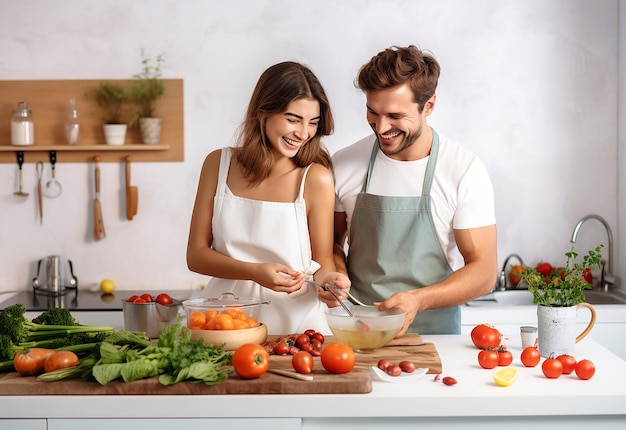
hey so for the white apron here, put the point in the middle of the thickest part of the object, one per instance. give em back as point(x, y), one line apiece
point(263, 232)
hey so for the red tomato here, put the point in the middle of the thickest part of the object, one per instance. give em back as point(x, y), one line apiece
point(132, 298)
point(384, 363)
point(302, 339)
point(147, 297)
point(587, 276)
point(515, 273)
point(504, 357)
point(552, 368)
point(139, 300)
point(302, 362)
point(568, 362)
point(585, 369)
point(338, 358)
point(31, 361)
point(163, 299)
point(281, 348)
point(393, 370)
point(530, 356)
point(488, 359)
point(319, 336)
point(407, 366)
point(250, 360)
point(484, 336)
point(60, 360)
point(544, 268)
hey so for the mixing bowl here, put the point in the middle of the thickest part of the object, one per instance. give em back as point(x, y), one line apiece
point(368, 330)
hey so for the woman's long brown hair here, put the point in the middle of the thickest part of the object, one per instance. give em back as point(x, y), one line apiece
point(279, 85)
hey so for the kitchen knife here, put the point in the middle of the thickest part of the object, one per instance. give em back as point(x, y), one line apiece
point(98, 223)
point(131, 194)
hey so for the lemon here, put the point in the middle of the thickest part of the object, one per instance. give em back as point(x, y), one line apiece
point(107, 286)
point(505, 376)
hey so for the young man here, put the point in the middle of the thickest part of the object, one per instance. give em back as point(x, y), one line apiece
point(416, 209)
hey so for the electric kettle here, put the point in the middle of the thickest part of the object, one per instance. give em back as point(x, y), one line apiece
point(56, 276)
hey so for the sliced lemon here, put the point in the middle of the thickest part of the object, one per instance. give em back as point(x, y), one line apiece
point(505, 376)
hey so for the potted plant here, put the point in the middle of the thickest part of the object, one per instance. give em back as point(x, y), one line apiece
point(112, 98)
point(558, 296)
point(144, 92)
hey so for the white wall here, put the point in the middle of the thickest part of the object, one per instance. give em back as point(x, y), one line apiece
point(530, 86)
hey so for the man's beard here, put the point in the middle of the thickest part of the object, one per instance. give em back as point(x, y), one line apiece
point(406, 143)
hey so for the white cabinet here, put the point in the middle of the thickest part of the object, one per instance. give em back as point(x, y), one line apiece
point(25, 424)
point(172, 423)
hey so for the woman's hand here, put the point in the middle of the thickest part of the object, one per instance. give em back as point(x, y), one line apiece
point(278, 277)
point(341, 281)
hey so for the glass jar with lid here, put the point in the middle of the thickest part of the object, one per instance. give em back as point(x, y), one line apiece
point(22, 126)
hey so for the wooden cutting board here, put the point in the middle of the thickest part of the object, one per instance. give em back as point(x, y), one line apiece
point(409, 347)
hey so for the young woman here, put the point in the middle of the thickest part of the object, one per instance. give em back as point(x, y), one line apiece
point(262, 222)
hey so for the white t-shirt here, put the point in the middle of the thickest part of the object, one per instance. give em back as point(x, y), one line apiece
point(461, 194)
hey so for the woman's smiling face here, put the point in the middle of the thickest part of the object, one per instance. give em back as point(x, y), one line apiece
point(289, 130)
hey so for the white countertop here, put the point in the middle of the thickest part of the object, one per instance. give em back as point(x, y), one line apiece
point(475, 395)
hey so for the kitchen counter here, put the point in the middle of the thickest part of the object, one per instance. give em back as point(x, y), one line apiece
point(475, 401)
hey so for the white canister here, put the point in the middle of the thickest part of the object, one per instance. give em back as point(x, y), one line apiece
point(22, 126)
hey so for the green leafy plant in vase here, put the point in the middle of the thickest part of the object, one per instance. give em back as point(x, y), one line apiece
point(144, 93)
point(564, 286)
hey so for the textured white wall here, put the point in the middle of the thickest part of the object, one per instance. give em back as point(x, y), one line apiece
point(530, 86)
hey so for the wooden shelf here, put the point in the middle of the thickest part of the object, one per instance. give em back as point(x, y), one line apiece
point(49, 101)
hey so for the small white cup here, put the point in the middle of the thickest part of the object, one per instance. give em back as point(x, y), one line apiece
point(529, 336)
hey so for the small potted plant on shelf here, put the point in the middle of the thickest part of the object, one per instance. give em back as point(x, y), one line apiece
point(558, 294)
point(112, 98)
point(144, 93)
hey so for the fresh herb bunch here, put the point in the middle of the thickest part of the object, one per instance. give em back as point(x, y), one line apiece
point(147, 88)
point(112, 98)
point(563, 286)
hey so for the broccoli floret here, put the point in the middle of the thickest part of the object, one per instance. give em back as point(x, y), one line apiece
point(56, 316)
point(13, 323)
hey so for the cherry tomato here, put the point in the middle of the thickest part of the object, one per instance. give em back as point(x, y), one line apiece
point(488, 359)
point(319, 336)
point(281, 348)
point(568, 362)
point(338, 358)
point(544, 268)
point(163, 299)
point(302, 339)
point(147, 297)
point(448, 380)
point(250, 360)
point(505, 357)
point(393, 370)
point(552, 368)
point(302, 362)
point(407, 366)
point(60, 360)
point(310, 332)
point(530, 356)
point(585, 369)
point(31, 361)
point(132, 298)
point(383, 364)
point(139, 300)
point(484, 336)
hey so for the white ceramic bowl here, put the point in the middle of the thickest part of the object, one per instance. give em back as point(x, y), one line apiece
point(368, 330)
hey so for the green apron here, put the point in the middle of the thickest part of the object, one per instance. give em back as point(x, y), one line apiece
point(394, 247)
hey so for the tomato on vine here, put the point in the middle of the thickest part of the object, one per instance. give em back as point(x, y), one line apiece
point(505, 357)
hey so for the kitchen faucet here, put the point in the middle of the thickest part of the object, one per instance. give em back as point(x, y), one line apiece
point(607, 278)
point(501, 285)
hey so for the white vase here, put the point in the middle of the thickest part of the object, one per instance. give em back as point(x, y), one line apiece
point(557, 329)
point(150, 129)
point(115, 134)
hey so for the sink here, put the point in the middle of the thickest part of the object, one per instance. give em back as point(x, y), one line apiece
point(525, 298)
